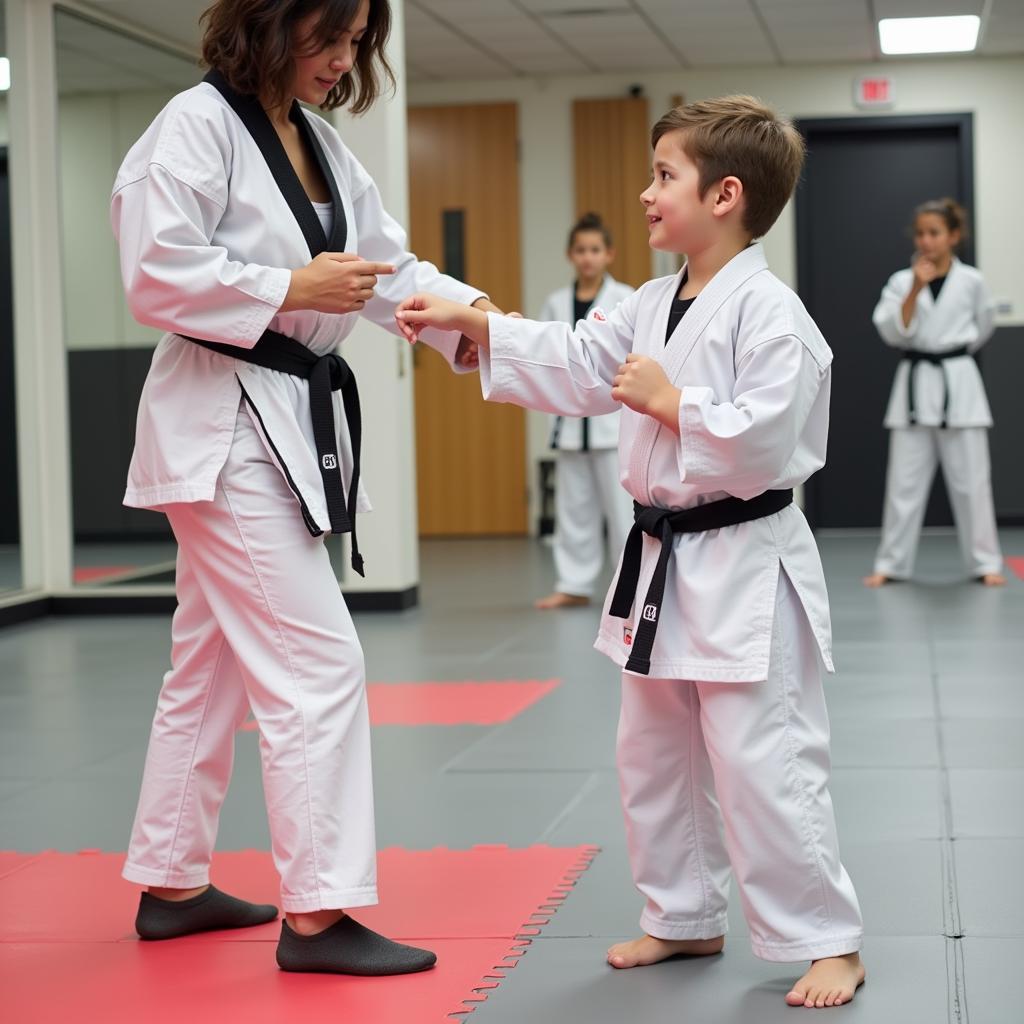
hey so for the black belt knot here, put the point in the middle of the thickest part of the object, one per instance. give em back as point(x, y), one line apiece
point(915, 357)
point(662, 524)
point(326, 374)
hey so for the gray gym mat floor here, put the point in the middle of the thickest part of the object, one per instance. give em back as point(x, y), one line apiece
point(926, 712)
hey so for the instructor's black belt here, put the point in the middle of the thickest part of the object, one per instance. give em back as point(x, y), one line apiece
point(662, 524)
point(325, 374)
point(914, 357)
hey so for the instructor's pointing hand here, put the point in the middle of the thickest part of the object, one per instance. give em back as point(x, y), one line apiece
point(334, 282)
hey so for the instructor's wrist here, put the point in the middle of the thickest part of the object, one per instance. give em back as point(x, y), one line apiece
point(298, 295)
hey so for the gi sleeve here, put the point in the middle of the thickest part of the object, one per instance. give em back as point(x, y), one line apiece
point(174, 278)
point(382, 240)
point(745, 444)
point(984, 314)
point(553, 367)
point(888, 314)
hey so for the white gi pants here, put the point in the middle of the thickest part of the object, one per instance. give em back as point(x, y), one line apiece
point(587, 494)
point(914, 453)
point(260, 623)
point(754, 757)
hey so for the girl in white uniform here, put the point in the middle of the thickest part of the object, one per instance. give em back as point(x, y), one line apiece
point(723, 746)
point(251, 234)
point(588, 494)
point(940, 313)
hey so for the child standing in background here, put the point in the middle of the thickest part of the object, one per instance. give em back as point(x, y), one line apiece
point(940, 313)
point(588, 495)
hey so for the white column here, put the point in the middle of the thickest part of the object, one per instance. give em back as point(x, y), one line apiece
point(388, 536)
point(40, 359)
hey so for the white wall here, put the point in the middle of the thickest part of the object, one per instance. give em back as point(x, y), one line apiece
point(991, 89)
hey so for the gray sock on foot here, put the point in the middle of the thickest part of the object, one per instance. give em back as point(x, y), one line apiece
point(349, 948)
point(209, 911)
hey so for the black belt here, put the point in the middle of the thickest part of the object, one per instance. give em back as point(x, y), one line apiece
point(914, 357)
point(325, 374)
point(556, 433)
point(662, 523)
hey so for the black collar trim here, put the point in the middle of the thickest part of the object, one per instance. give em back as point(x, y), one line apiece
point(255, 119)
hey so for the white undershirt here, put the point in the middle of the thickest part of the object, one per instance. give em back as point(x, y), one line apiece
point(325, 211)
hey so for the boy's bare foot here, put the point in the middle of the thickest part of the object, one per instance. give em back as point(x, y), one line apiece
point(648, 950)
point(830, 982)
point(876, 579)
point(993, 579)
point(560, 600)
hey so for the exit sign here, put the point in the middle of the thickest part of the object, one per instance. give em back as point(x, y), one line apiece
point(873, 91)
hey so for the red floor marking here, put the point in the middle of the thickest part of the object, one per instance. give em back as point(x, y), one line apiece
point(450, 703)
point(66, 940)
point(90, 573)
point(1016, 563)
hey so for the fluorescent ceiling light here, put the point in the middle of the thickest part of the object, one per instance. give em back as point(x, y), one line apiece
point(5, 74)
point(956, 34)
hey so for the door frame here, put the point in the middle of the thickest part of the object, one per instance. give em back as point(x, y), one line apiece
point(808, 127)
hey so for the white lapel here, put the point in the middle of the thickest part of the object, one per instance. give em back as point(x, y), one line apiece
point(739, 269)
point(603, 297)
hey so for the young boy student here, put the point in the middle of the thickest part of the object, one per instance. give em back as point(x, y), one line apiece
point(723, 745)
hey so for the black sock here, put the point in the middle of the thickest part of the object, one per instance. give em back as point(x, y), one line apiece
point(209, 911)
point(349, 948)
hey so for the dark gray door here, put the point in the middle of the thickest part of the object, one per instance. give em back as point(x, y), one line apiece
point(8, 424)
point(864, 176)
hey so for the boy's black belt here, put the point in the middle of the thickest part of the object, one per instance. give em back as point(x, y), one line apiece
point(914, 358)
point(325, 374)
point(663, 524)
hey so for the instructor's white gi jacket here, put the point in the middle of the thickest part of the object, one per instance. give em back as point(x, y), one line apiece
point(207, 245)
point(755, 377)
point(602, 431)
point(962, 315)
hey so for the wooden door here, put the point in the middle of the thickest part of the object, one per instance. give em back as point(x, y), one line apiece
point(611, 146)
point(464, 216)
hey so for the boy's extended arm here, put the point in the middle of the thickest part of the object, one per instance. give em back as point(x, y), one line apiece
point(545, 366)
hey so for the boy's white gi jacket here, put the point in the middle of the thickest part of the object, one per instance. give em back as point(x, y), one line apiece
point(602, 431)
point(207, 241)
point(755, 377)
point(962, 315)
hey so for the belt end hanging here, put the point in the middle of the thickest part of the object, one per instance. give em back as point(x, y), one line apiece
point(357, 563)
point(642, 666)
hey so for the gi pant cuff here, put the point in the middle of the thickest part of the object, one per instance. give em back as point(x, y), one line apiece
point(792, 952)
point(328, 899)
point(165, 879)
point(702, 928)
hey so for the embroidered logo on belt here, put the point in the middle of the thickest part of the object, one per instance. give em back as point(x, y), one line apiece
point(330, 461)
point(651, 612)
point(627, 636)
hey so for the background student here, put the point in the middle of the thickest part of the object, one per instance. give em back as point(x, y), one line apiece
point(589, 499)
point(939, 311)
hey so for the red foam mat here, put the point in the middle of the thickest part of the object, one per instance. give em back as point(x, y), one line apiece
point(470, 703)
point(1016, 563)
point(67, 950)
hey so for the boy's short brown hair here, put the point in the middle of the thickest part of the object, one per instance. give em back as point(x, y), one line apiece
point(740, 136)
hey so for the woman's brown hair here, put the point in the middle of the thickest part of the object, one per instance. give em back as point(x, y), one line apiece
point(251, 43)
point(590, 222)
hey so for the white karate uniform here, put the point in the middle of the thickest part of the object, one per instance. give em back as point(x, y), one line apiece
point(587, 490)
point(961, 316)
point(226, 449)
point(745, 625)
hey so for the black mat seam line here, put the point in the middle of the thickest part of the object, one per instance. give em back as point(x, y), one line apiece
point(956, 982)
point(527, 932)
